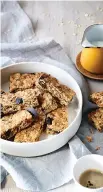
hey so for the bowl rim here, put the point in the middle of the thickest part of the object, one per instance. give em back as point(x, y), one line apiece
point(62, 133)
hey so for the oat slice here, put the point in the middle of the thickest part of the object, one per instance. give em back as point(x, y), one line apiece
point(57, 120)
point(13, 123)
point(12, 102)
point(61, 92)
point(97, 98)
point(96, 119)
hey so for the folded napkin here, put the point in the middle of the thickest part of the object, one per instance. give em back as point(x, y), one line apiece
point(20, 44)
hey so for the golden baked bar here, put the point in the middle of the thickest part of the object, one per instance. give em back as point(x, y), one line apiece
point(47, 102)
point(14, 123)
point(61, 92)
point(57, 120)
point(22, 81)
point(96, 118)
point(12, 102)
point(30, 134)
point(97, 98)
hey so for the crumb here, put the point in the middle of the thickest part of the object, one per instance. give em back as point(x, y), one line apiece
point(69, 22)
point(97, 148)
point(62, 23)
point(91, 130)
point(89, 138)
point(101, 9)
point(79, 42)
point(98, 8)
point(83, 142)
point(74, 34)
point(79, 26)
point(86, 15)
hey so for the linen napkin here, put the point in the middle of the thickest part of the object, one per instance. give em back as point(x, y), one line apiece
point(20, 44)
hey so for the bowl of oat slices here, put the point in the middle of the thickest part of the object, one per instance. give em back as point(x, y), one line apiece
point(41, 108)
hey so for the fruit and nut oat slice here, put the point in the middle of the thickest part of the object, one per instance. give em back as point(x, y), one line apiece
point(97, 98)
point(52, 85)
point(13, 123)
point(57, 120)
point(12, 102)
point(22, 81)
point(96, 118)
point(47, 102)
point(32, 133)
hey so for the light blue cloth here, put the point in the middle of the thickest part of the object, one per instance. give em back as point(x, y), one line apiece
point(20, 44)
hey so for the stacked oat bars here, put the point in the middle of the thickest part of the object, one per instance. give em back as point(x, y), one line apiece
point(36, 103)
point(96, 116)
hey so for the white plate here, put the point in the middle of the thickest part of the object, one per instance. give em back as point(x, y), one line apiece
point(46, 145)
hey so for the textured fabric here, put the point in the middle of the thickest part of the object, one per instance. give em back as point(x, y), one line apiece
point(16, 26)
point(19, 44)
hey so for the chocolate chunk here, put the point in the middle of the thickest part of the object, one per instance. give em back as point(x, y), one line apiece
point(90, 184)
point(49, 121)
point(43, 76)
point(57, 132)
point(19, 100)
point(8, 133)
point(32, 111)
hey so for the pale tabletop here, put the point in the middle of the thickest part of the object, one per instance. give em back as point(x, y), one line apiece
point(65, 22)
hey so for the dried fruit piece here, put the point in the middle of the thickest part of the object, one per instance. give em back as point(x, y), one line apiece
point(19, 100)
point(33, 111)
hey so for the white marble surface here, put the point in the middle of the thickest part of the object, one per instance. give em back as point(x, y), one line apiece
point(65, 22)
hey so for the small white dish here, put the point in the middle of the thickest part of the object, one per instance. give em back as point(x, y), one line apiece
point(93, 36)
point(53, 143)
point(85, 163)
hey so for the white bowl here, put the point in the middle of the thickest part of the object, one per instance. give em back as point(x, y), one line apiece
point(55, 142)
